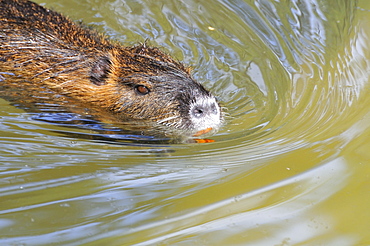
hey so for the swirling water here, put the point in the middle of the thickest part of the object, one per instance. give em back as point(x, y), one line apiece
point(290, 166)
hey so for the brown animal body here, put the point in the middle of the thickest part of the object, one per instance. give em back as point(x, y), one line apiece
point(47, 51)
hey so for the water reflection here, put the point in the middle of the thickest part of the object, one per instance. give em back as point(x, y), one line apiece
point(289, 218)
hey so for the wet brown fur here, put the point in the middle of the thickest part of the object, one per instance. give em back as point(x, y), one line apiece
point(47, 50)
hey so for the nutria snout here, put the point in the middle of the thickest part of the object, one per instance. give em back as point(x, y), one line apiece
point(140, 83)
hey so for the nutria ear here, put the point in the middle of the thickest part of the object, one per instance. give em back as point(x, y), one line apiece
point(100, 70)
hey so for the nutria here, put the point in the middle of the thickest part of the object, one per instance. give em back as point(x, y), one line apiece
point(48, 51)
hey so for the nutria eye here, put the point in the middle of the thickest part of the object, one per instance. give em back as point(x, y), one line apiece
point(142, 90)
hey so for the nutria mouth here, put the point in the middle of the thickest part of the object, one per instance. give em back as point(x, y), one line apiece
point(138, 83)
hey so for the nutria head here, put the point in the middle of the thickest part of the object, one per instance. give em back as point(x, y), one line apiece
point(151, 86)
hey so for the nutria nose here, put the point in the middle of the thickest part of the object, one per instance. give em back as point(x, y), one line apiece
point(202, 110)
point(205, 113)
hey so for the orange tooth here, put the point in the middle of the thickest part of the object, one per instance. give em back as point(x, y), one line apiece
point(201, 132)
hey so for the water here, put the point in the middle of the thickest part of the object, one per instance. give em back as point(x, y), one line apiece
point(290, 166)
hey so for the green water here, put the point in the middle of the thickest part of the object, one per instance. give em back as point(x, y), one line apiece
point(291, 166)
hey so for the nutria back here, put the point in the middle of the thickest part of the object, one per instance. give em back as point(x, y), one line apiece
point(48, 51)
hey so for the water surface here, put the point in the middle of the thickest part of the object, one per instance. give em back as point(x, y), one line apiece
point(290, 167)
